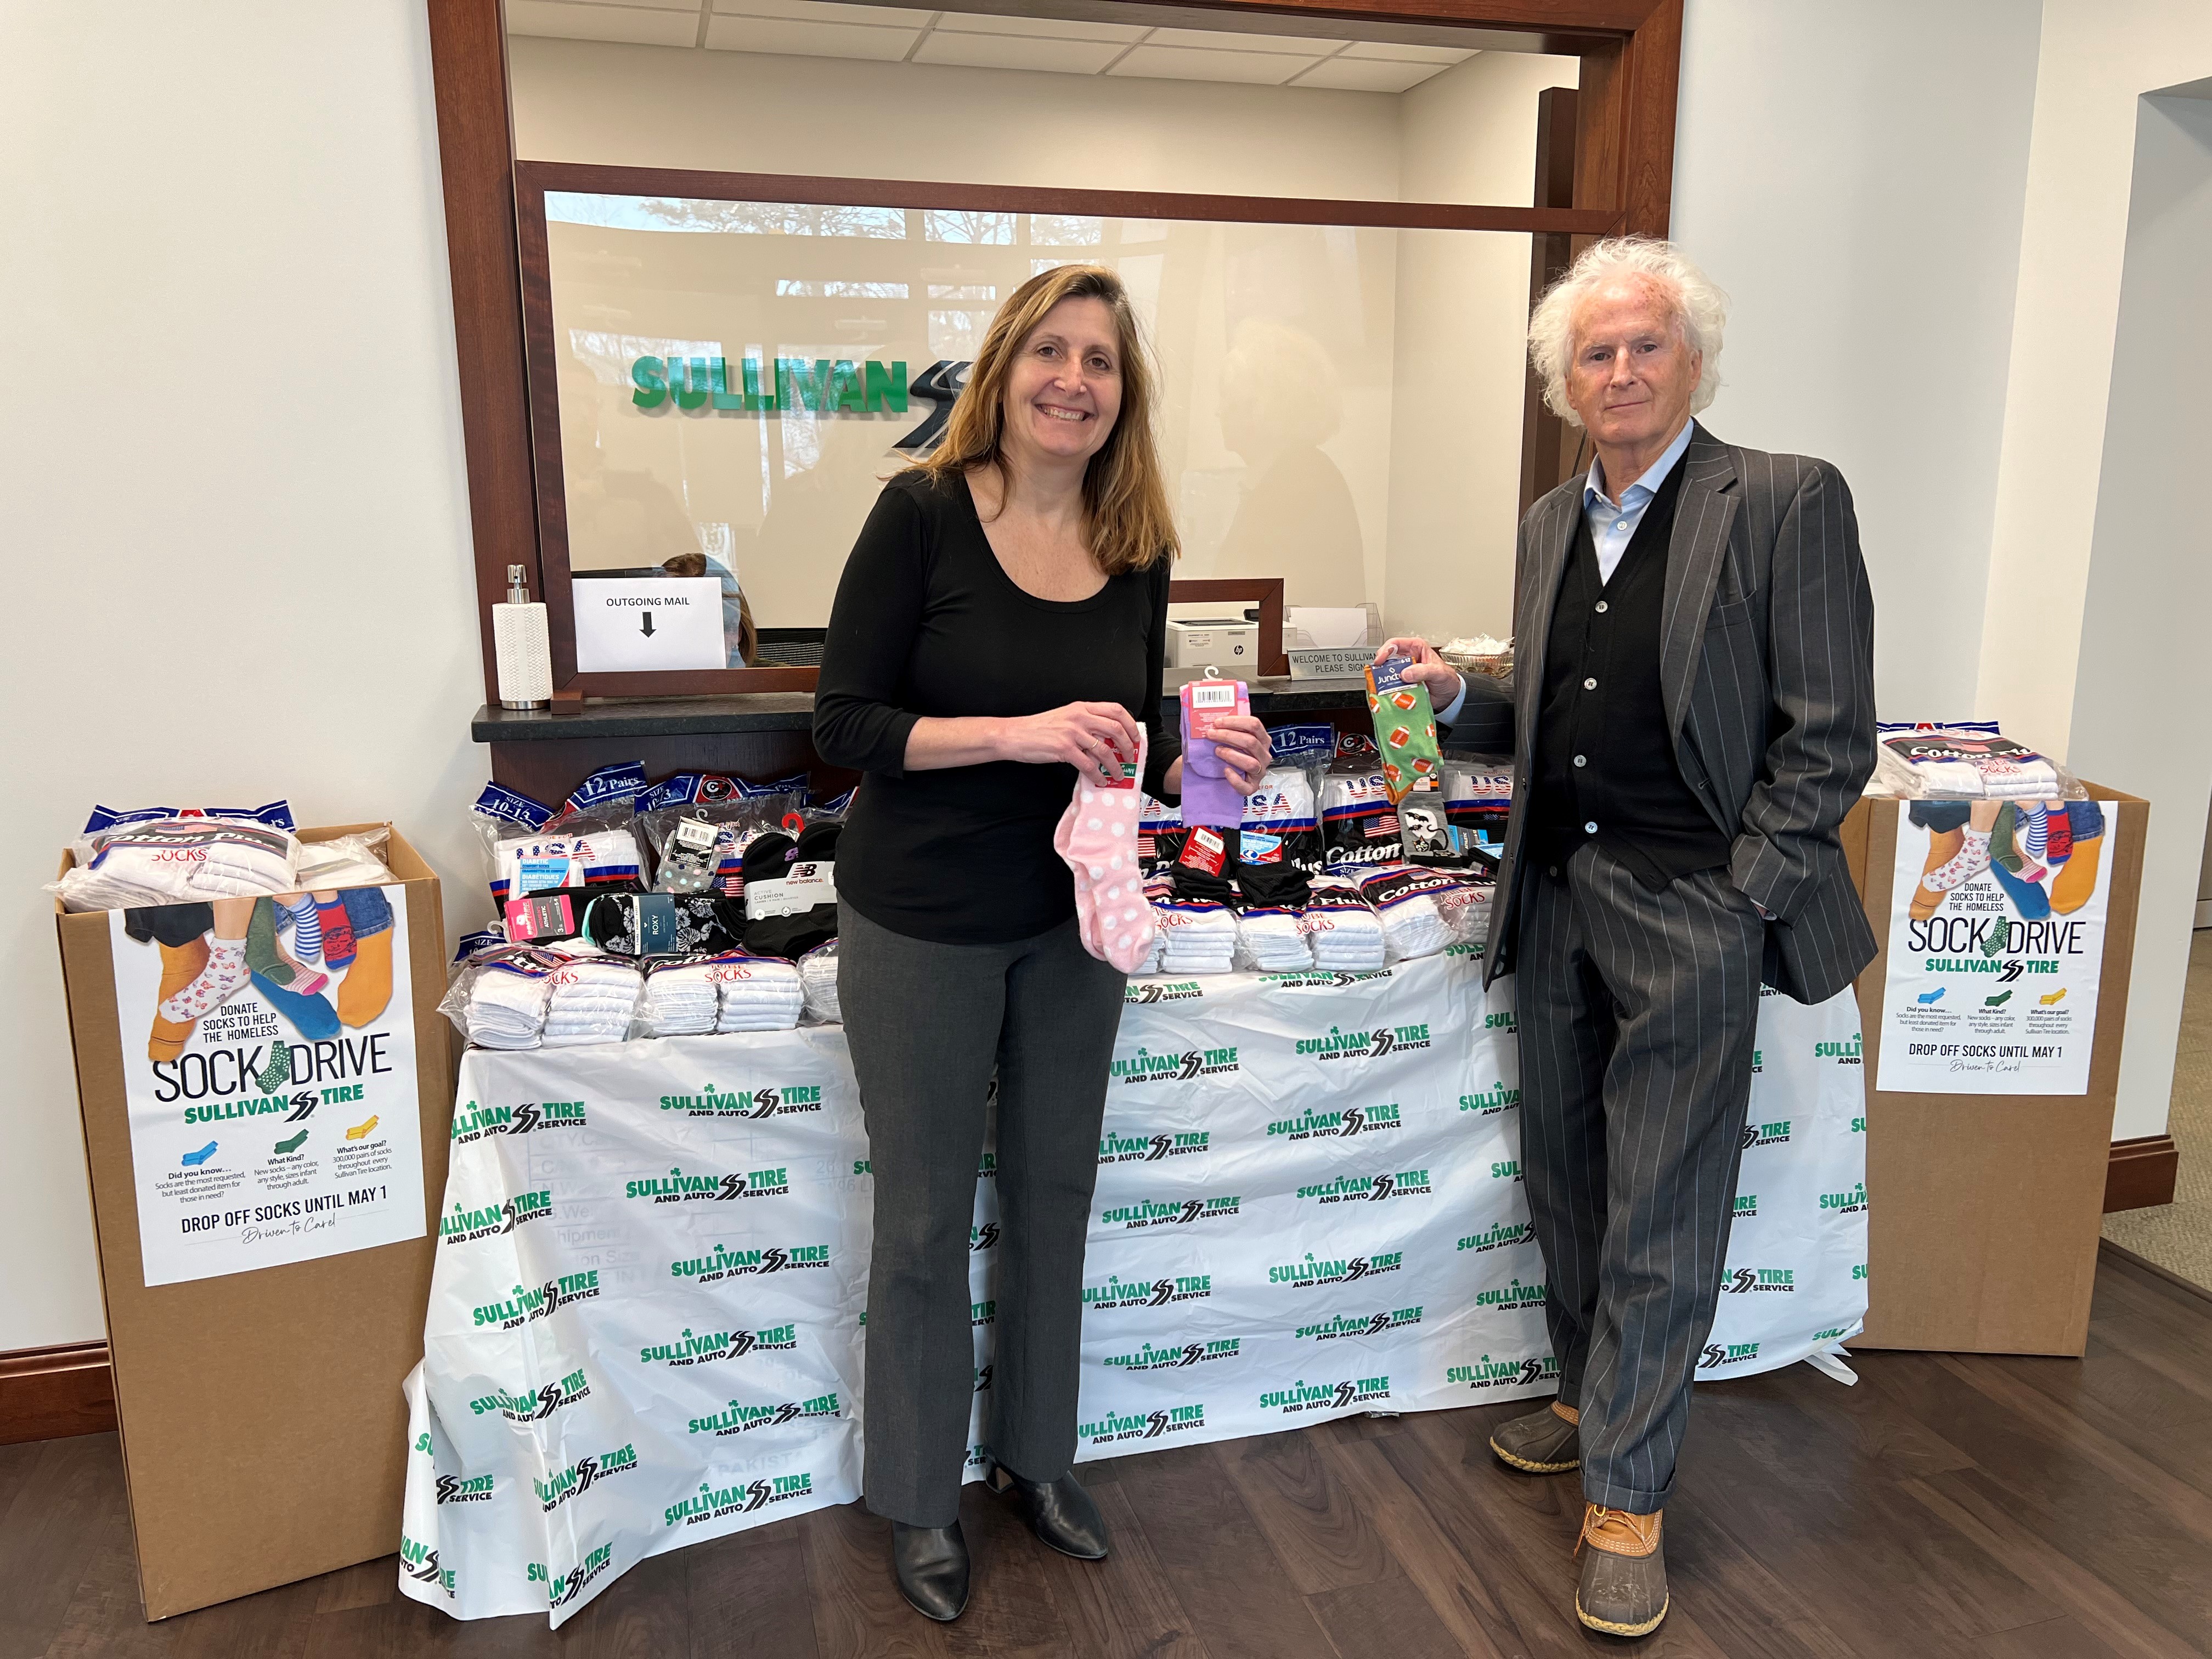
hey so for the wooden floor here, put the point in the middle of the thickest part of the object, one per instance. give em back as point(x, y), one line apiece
point(2004, 1509)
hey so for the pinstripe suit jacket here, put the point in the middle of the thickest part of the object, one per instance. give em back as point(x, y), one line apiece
point(1766, 670)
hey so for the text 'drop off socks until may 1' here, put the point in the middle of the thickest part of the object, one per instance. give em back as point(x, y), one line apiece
point(1097, 837)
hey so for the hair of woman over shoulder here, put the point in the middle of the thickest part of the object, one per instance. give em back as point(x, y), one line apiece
point(1127, 521)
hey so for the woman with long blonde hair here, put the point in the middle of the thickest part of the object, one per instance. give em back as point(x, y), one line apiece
point(999, 631)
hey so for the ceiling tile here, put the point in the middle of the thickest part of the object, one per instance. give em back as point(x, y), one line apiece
point(789, 37)
point(823, 11)
point(1366, 75)
point(1014, 51)
point(981, 22)
point(1182, 64)
point(1396, 52)
point(1297, 45)
point(565, 20)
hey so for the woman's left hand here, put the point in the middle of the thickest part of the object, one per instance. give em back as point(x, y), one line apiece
point(1245, 749)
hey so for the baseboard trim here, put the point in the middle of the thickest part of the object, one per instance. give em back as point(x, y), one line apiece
point(2141, 1173)
point(2143, 1264)
point(2204, 913)
point(49, 1393)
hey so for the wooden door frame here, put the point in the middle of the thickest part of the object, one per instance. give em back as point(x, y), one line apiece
point(1629, 53)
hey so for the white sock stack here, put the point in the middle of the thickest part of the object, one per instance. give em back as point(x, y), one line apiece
point(759, 993)
point(680, 999)
point(818, 982)
point(507, 1006)
point(592, 1000)
point(1200, 937)
point(246, 859)
point(1268, 939)
point(177, 860)
point(1403, 894)
point(1345, 931)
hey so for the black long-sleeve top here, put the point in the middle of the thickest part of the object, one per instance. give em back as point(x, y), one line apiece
point(927, 623)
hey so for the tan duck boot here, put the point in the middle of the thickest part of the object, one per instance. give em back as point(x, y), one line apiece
point(1542, 1443)
point(1624, 1588)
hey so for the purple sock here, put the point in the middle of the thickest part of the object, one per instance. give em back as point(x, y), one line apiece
point(1208, 796)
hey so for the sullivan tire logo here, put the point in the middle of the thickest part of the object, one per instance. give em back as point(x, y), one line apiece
point(1718, 1355)
point(1152, 1426)
point(713, 1503)
point(1369, 1189)
point(561, 1589)
point(582, 1475)
point(1373, 1325)
point(1746, 1281)
point(939, 384)
point(1146, 1066)
point(527, 1303)
point(532, 1408)
point(1338, 1271)
point(1497, 1237)
point(739, 1417)
point(1150, 1358)
point(722, 1263)
point(1352, 1120)
point(1161, 990)
point(1304, 1396)
point(473, 1122)
point(1118, 1292)
point(464, 1226)
point(710, 1102)
point(1150, 1212)
point(1363, 1045)
point(419, 1561)
point(1116, 1148)
point(1487, 1373)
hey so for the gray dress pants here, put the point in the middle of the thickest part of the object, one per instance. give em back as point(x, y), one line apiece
point(927, 1024)
point(1637, 1014)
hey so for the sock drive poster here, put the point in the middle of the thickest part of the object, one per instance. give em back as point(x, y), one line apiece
point(269, 1072)
point(1996, 937)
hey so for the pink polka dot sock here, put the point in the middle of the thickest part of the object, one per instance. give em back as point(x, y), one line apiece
point(1097, 837)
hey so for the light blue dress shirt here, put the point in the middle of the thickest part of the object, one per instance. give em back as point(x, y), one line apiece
point(1612, 524)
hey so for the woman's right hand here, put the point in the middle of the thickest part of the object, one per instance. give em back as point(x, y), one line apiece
point(1088, 736)
point(1428, 669)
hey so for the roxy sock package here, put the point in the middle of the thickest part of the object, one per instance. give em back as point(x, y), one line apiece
point(1208, 795)
point(1405, 726)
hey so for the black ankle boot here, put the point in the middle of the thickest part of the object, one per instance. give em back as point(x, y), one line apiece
point(1059, 1511)
point(931, 1566)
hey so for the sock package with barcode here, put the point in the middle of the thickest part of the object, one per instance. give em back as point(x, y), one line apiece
point(1208, 795)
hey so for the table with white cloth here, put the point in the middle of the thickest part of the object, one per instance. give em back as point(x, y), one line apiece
point(647, 1314)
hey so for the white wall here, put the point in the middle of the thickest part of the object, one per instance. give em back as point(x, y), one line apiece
point(1852, 175)
point(2100, 57)
point(1468, 135)
point(2072, 642)
point(231, 488)
point(2143, 682)
point(581, 100)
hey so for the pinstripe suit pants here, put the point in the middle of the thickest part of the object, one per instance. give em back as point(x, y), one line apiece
point(1637, 1014)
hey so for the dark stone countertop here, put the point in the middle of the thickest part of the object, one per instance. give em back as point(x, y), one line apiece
point(793, 711)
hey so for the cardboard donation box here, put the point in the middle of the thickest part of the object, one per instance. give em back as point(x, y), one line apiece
point(1990, 1025)
point(265, 1136)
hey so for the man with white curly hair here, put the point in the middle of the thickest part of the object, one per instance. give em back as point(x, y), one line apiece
point(1693, 714)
